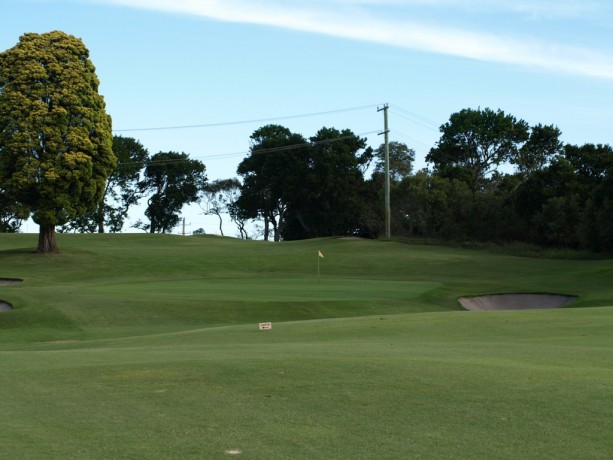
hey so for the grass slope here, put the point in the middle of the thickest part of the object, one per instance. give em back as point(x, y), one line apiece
point(139, 346)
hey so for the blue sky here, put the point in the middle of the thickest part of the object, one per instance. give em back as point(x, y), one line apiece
point(213, 64)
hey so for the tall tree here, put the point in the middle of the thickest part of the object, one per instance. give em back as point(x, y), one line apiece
point(474, 142)
point(564, 201)
point(239, 217)
point(401, 159)
point(121, 192)
point(327, 196)
point(218, 197)
point(174, 180)
point(542, 145)
point(271, 174)
point(55, 135)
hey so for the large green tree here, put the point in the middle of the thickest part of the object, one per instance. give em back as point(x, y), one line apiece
point(328, 198)
point(304, 189)
point(174, 181)
point(272, 174)
point(401, 159)
point(55, 135)
point(474, 143)
point(372, 220)
point(542, 145)
point(568, 202)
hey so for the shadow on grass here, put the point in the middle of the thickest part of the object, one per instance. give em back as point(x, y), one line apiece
point(19, 251)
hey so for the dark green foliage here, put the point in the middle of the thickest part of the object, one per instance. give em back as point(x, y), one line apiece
point(11, 214)
point(122, 190)
point(304, 189)
point(567, 201)
point(331, 201)
point(174, 180)
point(598, 217)
point(477, 141)
point(434, 206)
point(272, 175)
point(559, 196)
point(401, 159)
point(542, 145)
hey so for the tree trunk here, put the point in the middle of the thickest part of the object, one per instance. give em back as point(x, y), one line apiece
point(220, 223)
point(100, 217)
point(266, 228)
point(46, 239)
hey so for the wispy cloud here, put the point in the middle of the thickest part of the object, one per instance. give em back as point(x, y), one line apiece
point(359, 20)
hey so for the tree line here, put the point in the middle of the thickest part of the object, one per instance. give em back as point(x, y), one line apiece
point(491, 177)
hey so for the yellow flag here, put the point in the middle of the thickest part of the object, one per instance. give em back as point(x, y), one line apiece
point(320, 254)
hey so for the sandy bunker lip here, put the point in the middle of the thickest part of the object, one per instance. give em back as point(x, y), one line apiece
point(10, 281)
point(5, 306)
point(515, 301)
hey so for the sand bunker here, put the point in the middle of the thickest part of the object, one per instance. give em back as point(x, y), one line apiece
point(5, 306)
point(10, 281)
point(515, 301)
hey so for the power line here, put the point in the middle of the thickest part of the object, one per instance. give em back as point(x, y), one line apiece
point(413, 142)
point(414, 117)
point(258, 151)
point(397, 110)
point(241, 122)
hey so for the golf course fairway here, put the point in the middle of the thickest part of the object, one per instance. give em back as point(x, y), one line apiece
point(148, 346)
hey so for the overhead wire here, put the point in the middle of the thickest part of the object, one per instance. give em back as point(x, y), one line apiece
point(414, 117)
point(258, 151)
point(396, 109)
point(411, 141)
point(241, 122)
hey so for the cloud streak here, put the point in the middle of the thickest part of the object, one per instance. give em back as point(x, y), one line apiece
point(358, 20)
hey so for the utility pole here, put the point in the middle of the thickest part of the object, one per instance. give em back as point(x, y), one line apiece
point(386, 131)
point(184, 226)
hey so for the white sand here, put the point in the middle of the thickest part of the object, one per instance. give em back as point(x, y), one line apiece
point(515, 301)
point(9, 281)
point(5, 306)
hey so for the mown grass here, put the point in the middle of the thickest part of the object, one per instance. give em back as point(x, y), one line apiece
point(139, 346)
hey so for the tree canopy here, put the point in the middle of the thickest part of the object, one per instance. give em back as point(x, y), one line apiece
point(329, 201)
point(122, 190)
point(474, 142)
point(401, 159)
point(174, 181)
point(272, 175)
point(304, 189)
point(219, 197)
point(55, 135)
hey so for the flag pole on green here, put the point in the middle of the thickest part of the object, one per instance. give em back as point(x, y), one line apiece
point(319, 256)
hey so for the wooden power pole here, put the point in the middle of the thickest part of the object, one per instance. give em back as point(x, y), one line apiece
point(386, 131)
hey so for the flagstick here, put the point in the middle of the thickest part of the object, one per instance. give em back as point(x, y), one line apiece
point(318, 267)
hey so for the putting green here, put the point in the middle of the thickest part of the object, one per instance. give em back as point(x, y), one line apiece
point(284, 289)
